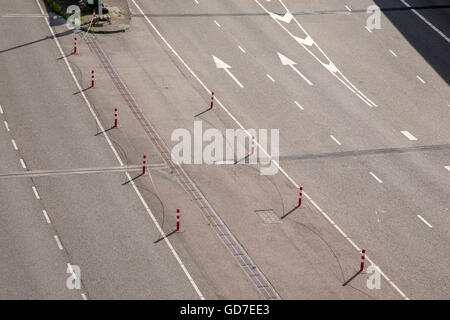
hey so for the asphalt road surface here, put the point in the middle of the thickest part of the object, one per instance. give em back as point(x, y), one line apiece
point(363, 117)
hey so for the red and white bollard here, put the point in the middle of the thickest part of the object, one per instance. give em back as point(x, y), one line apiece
point(92, 78)
point(212, 99)
point(362, 260)
point(300, 196)
point(94, 18)
point(75, 44)
point(143, 164)
point(178, 219)
point(115, 117)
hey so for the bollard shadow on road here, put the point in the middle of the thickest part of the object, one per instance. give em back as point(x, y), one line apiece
point(351, 278)
point(166, 236)
point(127, 182)
point(289, 212)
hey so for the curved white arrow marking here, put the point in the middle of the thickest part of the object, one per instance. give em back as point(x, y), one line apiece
point(222, 65)
point(285, 61)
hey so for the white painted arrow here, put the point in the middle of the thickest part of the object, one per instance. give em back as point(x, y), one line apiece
point(285, 61)
point(222, 65)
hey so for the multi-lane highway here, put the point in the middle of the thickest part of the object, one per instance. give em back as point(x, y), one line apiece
point(363, 116)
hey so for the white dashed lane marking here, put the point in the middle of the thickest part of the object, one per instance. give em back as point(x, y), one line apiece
point(242, 49)
point(22, 163)
point(6, 125)
point(1, 110)
point(447, 167)
point(393, 53)
point(375, 177)
point(409, 135)
point(368, 29)
point(424, 221)
point(36, 193)
point(217, 23)
point(335, 140)
point(14, 144)
point(421, 80)
point(268, 76)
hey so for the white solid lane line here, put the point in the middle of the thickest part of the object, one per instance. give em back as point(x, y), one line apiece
point(6, 125)
point(36, 193)
point(46, 217)
point(298, 105)
point(421, 80)
point(22, 163)
point(376, 178)
point(217, 23)
point(426, 21)
point(393, 53)
point(242, 49)
point(14, 144)
point(424, 221)
point(409, 135)
point(268, 76)
point(58, 242)
point(447, 167)
point(335, 140)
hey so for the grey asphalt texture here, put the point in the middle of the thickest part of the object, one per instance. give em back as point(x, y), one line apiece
point(104, 227)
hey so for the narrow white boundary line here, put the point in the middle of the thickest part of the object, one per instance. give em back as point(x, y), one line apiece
point(35, 192)
point(426, 21)
point(262, 149)
point(268, 76)
point(424, 221)
point(409, 135)
point(298, 105)
point(58, 242)
point(22, 163)
point(144, 203)
point(335, 140)
point(376, 178)
point(46, 217)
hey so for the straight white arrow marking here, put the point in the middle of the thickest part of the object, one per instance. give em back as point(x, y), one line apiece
point(222, 65)
point(285, 61)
